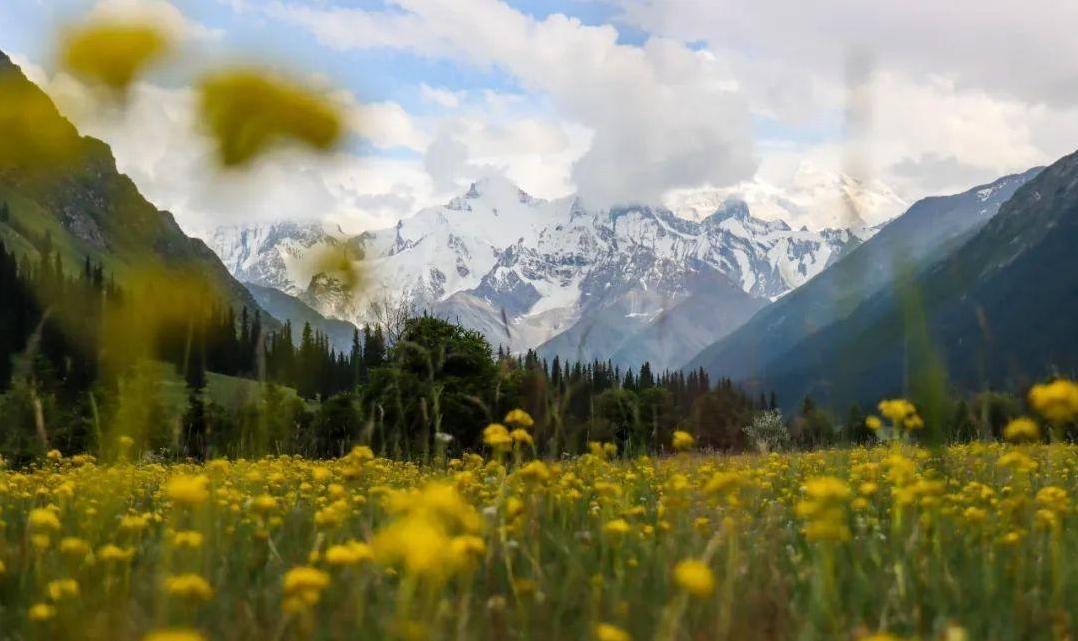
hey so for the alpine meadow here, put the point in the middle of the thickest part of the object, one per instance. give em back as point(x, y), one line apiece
point(489, 320)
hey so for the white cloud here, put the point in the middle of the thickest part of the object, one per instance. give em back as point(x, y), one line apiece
point(441, 97)
point(388, 125)
point(156, 141)
point(661, 115)
point(956, 92)
point(939, 103)
point(1025, 51)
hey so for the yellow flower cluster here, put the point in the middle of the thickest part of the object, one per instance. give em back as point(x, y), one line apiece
point(432, 535)
point(688, 546)
point(1057, 401)
point(682, 441)
point(824, 509)
point(303, 588)
point(901, 413)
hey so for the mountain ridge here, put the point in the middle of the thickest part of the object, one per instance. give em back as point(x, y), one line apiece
point(927, 230)
point(995, 312)
point(508, 261)
point(66, 185)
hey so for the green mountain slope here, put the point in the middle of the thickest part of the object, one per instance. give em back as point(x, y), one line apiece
point(289, 308)
point(64, 190)
point(927, 231)
point(998, 311)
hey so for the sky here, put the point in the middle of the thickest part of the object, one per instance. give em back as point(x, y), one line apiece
point(676, 102)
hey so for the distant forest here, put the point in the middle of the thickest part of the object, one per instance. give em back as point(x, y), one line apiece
point(426, 388)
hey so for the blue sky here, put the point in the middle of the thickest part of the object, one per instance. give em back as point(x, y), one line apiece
point(675, 102)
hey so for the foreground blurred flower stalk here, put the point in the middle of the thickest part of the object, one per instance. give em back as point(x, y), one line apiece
point(977, 541)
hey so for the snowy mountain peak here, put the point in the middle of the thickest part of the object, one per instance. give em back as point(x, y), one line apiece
point(496, 253)
point(273, 254)
point(496, 188)
point(730, 208)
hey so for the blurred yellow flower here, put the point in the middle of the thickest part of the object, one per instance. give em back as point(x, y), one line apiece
point(351, 553)
point(1018, 461)
point(902, 414)
point(174, 635)
point(190, 587)
point(361, 453)
point(41, 612)
point(824, 509)
point(188, 490)
point(608, 632)
point(112, 53)
point(519, 418)
point(521, 436)
point(115, 554)
point(682, 440)
point(188, 539)
point(694, 577)
point(417, 543)
point(497, 437)
point(264, 503)
point(250, 111)
point(303, 588)
point(1054, 498)
point(1021, 430)
point(1056, 401)
point(44, 520)
point(61, 589)
point(535, 472)
point(617, 528)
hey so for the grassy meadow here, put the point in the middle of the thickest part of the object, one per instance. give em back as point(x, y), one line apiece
point(974, 541)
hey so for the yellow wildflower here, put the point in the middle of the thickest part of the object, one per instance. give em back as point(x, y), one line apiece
point(535, 472)
point(113, 53)
point(250, 111)
point(1021, 429)
point(1054, 498)
point(608, 632)
point(694, 577)
point(519, 418)
point(617, 528)
point(682, 440)
point(497, 437)
point(188, 539)
point(351, 553)
point(190, 587)
point(303, 588)
point(41, 612)
point(174, 635)
point(115, 554)
point(44, 520)
point(188, 491)
point(521, 436)
point(61, 589)
point(1056, 401)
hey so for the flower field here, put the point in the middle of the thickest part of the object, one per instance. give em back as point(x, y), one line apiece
point(971, 542)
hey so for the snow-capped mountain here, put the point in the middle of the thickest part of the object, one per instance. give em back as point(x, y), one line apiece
point(525, 270)
point(273, 254)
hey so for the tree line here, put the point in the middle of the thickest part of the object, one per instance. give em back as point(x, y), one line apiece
point(430, 389)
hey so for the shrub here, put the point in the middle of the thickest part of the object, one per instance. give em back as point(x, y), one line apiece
point(768, 432)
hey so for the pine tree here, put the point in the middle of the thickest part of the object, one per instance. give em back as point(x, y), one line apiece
point(356, 359)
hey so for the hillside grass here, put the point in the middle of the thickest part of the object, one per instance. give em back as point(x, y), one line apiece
point(30, 222)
